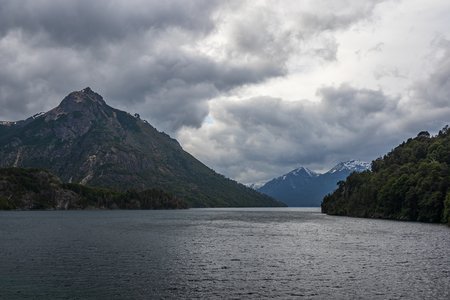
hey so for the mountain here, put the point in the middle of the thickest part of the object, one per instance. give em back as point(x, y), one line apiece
point(83, 140)
point(38, 189)
point(351, 165)
point(303, 187)
point(412, 182)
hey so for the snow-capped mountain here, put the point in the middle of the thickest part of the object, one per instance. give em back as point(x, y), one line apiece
point(351, 165)
point(300, 172)
point(303, 170)
point(291, 180)
point(304, 187)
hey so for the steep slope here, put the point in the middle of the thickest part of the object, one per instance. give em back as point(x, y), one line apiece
point(303, 187)
point(409, 183)
point(84, 140)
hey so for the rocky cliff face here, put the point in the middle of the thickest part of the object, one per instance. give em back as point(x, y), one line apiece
point(84, 140)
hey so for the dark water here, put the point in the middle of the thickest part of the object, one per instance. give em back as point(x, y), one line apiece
point(241, 253)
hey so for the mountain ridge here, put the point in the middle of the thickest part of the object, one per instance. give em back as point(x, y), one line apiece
point(84, 140)
point(352, 165)
point(303, 187)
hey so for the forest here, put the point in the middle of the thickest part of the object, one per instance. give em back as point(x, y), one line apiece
point(409, 183)
point(30, 189)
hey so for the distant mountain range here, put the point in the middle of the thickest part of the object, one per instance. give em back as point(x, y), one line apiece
point(306, 188)
point(85, 141)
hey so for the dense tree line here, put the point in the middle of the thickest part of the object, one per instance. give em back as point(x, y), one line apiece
point(106, 198)
point(39, 189)
point(409, 183)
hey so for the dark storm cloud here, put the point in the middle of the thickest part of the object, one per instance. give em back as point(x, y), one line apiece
point(137, 54)
point(175, 86)
point(175, 62)
point(88, 23)
point(314, 129)
point(151, 56)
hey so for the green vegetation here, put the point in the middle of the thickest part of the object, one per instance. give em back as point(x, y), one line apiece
point(39, 189)
point(409, 183)
point(84, 140)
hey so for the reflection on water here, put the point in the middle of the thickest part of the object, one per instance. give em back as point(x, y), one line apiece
point(219, 253)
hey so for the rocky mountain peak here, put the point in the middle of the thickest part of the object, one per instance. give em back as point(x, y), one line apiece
point(80, 100)
point(86, 141)
point(86, 101)
point(78, 112)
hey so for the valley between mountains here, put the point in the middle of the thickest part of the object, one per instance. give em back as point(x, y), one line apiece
point(86, 154)
point(305, 188)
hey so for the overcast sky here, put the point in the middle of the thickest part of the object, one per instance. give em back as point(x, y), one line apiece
point(253, 89)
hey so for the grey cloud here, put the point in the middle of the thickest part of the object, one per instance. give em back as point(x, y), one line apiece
point(328, 51)
point(350, 102)
point(137, 54)
point(190, 102)
point(259, 35)
point(427, 105)
point(85, 22)
point(294, 29)
point(435, 91)
point(336, 15)
point(30, 78)
point(142, 55)
point(256, 139)
point(134, 54)
point(376, 48)
point(382, 72)
point(171, 61)
point(260, 130)
point(175, 86)
point(346, 123)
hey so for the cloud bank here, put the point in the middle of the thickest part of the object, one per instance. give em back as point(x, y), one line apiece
point(252, 88)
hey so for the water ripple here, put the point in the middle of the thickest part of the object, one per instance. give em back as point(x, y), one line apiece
point(219, 253)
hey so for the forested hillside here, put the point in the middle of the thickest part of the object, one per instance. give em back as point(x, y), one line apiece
point(409, 183)
point(39, 189)
point(86, 141)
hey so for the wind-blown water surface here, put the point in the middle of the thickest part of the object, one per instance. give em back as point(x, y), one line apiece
point(219, 253)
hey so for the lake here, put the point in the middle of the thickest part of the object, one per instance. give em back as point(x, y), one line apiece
point(286, 253)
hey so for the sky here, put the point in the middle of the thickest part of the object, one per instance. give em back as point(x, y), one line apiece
point(253, 89)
